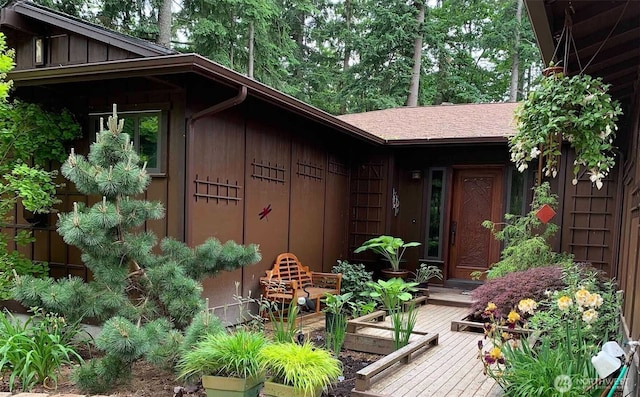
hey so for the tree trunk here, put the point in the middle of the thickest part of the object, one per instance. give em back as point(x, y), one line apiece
point(414, 85)
point(164, 23)
point(251, 53)
point(515, 58)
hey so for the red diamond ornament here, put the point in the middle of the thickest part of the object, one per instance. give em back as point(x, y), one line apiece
point(545, 213)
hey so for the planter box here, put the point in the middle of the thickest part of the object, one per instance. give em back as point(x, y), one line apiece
point(220, 386)
point(467, 325)
point(372, 343)
point(272, 389)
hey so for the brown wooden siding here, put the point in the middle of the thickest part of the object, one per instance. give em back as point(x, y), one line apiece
point(628, 271)
point(336, 211)
point(63, 48)
point(306, 222)
point(269, 183)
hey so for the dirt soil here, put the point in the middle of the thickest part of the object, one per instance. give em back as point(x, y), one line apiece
point(148, 381)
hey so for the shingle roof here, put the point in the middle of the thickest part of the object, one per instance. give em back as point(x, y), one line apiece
point(483, 121)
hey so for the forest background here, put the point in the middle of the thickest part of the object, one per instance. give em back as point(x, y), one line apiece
point(344, 56)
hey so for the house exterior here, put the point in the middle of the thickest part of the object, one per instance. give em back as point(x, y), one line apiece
point(606, 37)
point(234, 159)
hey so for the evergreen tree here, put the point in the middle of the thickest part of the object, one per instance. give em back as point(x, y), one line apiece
point(145, 296)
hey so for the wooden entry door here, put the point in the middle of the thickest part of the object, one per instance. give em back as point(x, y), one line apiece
point(477, 196)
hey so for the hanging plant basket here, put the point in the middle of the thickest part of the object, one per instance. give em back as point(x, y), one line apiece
point(575, 109)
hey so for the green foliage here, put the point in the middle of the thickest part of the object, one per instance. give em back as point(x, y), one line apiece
point(390, 248)
point(305, 367)
point(336, 309)
point(354, 277)
point(12, 263)
point(233, 354)
point(204, 323)
point(525, 238)
point(578, 277)
point(393, 294)
point(426, 272)
point(33, 352)
point(576, 109)
point(532, 373)
point(282, 319)
point(33, 185)
point(145, 296)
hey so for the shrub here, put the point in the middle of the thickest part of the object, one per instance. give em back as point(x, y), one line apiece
point(525, 238)
point(354, 277)
point(505, 292)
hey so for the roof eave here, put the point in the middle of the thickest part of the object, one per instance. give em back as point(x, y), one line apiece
point(105, 35)
point(541, 28)
point(183, 63)
point(447, 141)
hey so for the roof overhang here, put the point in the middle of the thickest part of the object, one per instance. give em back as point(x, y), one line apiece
point(606, 38)
point(177, 64)
point(466, 141)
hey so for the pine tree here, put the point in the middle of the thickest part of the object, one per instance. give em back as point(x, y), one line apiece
point(144, 297)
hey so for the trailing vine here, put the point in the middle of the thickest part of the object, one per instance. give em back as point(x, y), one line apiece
point(575, 109)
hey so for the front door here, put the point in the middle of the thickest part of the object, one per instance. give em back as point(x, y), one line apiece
point(477, 196)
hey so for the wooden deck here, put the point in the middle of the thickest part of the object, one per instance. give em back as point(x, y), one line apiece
point(449, 369)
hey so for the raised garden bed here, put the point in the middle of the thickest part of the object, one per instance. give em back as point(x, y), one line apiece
point(373, 343)
point(404, 355)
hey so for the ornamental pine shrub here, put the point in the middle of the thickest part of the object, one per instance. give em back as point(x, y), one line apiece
point(505, 292)
point(145, 296)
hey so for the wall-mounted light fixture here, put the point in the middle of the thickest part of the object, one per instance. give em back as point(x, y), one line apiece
point(416, 174)
point(38, 51)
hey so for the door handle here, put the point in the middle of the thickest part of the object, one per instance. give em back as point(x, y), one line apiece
point(454, 226)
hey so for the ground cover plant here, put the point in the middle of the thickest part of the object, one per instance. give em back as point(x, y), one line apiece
point(146, 297)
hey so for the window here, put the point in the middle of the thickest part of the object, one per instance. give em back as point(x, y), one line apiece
point(435, 214)
point(516, 200)
point(145, 129)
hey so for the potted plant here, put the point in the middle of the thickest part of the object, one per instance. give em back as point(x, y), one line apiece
point(228, 363)
point(392, 249)
point(574, 109)
point(426, 272)
point(298, 370)
point(393, 294)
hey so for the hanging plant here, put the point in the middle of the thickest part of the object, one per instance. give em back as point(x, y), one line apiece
point(575, 109)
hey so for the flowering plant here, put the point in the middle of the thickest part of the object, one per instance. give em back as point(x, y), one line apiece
point(521, 367)
point(576, 109)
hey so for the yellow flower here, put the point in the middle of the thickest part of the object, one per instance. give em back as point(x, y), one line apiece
point(527, 306)
point(589, 316)
point(595, 301)
point(490, 307)
point(513, 316)
point(564, 302)
point(582, 297)
point(495, 353)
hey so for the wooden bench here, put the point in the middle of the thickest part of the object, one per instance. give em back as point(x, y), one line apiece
point(289, 280)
